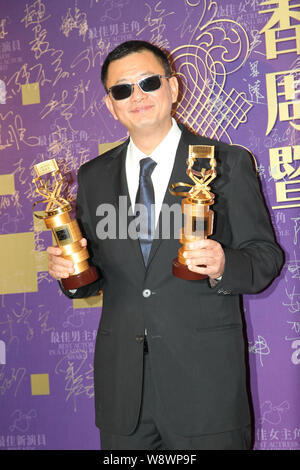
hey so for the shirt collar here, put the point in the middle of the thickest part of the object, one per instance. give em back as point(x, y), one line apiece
point(168, 144)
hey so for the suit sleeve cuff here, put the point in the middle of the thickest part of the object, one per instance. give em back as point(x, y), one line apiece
point(214, 282)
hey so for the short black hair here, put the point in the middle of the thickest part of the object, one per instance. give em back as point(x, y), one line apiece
point(129, 47)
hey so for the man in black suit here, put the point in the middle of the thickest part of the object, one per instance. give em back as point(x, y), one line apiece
point(170, 355)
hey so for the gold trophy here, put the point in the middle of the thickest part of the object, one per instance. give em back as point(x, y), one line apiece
point(66, 231)
point(198, 220)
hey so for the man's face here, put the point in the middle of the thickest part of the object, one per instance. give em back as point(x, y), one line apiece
point(141, 111)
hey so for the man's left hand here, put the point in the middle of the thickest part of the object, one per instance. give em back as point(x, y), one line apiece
point(207, 253)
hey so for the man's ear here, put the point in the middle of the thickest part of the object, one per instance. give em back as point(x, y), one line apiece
point(174, 88)
point(110, 106)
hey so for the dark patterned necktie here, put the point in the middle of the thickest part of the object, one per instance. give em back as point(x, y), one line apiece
point(145, 197)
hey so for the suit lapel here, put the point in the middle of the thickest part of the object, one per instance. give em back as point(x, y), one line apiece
point(125, 215)
point(178, 174)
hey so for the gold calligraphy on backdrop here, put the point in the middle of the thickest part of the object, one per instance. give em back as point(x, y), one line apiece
point(282, 36)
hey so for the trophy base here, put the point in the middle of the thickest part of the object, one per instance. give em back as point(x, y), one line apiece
point(182, 271)
point(82, 279)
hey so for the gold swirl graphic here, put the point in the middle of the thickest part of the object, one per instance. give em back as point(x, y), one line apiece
point(217, 48)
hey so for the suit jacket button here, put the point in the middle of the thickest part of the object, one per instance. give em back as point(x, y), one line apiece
point(146, 293)
point(139, 338)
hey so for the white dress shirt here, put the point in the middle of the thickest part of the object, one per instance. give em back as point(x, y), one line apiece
point(164, 156)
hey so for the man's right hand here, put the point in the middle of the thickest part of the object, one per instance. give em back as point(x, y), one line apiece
point(60, 268)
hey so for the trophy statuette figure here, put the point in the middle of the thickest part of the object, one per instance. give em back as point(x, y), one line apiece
point(198, 217)
point(48, 184)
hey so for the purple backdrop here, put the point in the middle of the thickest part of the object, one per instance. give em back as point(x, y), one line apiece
point(239, 67)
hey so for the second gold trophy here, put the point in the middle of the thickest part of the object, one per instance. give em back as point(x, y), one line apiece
point(196, 207)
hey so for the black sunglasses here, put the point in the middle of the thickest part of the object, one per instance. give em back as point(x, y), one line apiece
point(124, 90)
